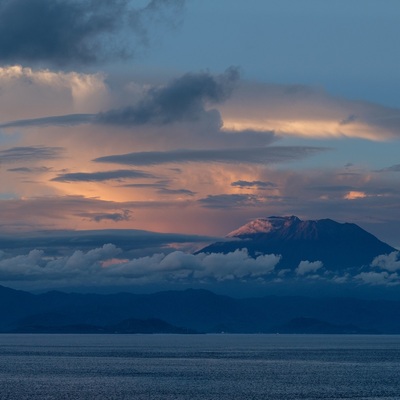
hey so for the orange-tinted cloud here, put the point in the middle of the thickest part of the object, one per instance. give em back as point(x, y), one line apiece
point(307, 112)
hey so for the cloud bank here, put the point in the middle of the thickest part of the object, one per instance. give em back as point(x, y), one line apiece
point(107, 266)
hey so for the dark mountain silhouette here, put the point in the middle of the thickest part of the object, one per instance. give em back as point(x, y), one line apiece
point(192, 310)
point(337, 245)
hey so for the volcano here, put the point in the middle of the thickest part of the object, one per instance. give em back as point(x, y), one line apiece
point(338, 246)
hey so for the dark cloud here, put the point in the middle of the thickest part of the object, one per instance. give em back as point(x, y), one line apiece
point(22, 169)
point(267, 155)
point(162, 188)
point(124, 215)
point(183, 99)
point(186, 101)
point(65, 32)
point(184, 192)
point(155, 185)
point(230, 201)
point(26, 170)
point(29, 153)
point(254, 184)
point(393, 168)
point(350, 119)
point(102, 176)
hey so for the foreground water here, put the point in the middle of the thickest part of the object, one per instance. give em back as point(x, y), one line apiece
point(199, 367)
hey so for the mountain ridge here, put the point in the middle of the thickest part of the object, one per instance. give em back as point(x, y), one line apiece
point(196, 310)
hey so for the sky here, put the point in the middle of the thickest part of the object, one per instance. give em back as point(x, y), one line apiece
point(192, 117)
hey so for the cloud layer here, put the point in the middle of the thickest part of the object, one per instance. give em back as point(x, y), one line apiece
point(308, 112)
point(109, 265)
point(268, 155)
point(102, 176)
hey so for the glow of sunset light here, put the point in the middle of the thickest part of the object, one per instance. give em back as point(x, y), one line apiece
point(354, 195)
point(313, 128)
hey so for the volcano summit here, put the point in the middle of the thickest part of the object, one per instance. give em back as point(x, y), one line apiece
point(338, 246)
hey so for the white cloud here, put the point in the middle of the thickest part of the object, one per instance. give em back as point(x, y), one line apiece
point(31, 263)
point(379, 278)
point(389, 262)
point(178, 265)
point(236, 265)
point(102, 266)
point(38, 267)
point(306, 267)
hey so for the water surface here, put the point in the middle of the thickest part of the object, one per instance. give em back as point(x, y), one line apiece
point(199, 367)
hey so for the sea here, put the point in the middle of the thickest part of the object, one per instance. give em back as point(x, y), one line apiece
point(211, 366)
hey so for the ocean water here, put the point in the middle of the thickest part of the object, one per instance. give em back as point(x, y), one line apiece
point(199, 367)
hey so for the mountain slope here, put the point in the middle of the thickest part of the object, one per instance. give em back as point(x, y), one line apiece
point(338, 245)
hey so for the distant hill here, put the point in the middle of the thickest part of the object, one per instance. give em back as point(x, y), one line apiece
point(192, 310)
point(337, 245)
